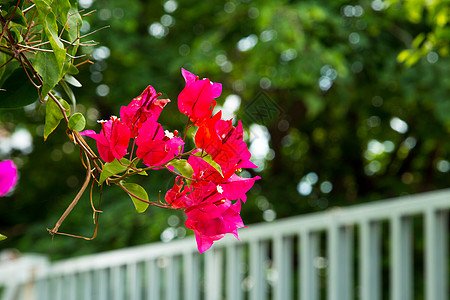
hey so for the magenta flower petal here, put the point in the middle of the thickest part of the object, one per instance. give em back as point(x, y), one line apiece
point(216, 89)
point(236, 187)
point(188, 77)
point(154, 147)
point(211, 222)
point(145, 106)
point(196, 100)
point(8, 176)
point(113, 139)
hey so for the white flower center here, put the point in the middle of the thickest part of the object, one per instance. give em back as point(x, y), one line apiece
point(168, 134)
point(219, 189)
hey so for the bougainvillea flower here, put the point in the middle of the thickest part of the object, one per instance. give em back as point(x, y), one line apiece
point(190, 78)
point(145, 106)
point(205, 192)
point(236, 187)
point(233, 187)
point(224, 143)
point(211, 222)
point(196, 100)
point(176, 197)
point(8, 176)
point(113, 139)
point(155, 147)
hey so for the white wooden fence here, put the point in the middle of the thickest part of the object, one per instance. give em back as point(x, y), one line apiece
point(393, 249)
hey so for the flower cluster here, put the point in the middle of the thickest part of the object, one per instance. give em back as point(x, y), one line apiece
point(138, 120)
point(206, 187)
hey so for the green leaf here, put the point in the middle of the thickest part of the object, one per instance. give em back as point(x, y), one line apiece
point(418, 40)
point(62, 7)
point(72, 80)
point(183, 167)
point(134, 165)
point(69, 93)
point(113, 168)
point(53, 115)
point(403, 55)
point(46, 65)
point(77, 122)
point(2, 237)
point(48, 20)
point(138, 191)
point(3, 59)
point(72, 70)
point(16, 34)
point(16, 90)
point(209, 160)
point(74, 25)
point(18, 17)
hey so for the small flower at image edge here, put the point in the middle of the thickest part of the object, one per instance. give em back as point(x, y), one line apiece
point(8, 176)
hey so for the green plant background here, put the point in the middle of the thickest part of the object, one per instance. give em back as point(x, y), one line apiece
point(334, 74)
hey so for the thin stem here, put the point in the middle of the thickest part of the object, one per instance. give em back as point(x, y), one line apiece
point(178, 174)
point(95, 31)
point(185, 131)
point(27, 9)
point(7, 62)
point(96, 211)
point(33, 48)
point(54, 230)
point(132, 149)
point(5, 25)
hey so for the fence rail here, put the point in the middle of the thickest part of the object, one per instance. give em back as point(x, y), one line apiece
point(393, 249)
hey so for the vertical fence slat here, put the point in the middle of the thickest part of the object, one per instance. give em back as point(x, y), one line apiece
point(117, 282)
point(172, 279)
point(258, 250)
point(210, 290)
point(401, 258)
point(369, 264)
point(152, 280)
point(233, 272)
point(42, 289)
point(58, 287)
point(213, 268)
point(340, 272)
point(278, 292)
point(436, 255)
point(347, 256)
point(218, 259)
point(309, 249)
point(87, 285)
point(282, 247)
point(72, 288)
point(102, 284)
point(190, 278)
point(131, 282)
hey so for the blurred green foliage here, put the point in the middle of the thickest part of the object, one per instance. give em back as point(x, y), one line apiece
point(332, 114)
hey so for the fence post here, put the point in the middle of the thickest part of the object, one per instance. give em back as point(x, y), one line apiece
point(436, 254)
point(309, 250)
point(369, 264)
point(401, 258)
